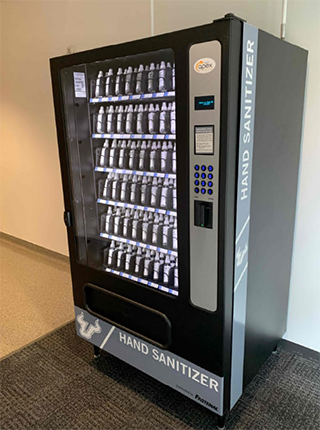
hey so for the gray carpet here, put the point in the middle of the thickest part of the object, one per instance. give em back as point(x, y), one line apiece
point(55, 384)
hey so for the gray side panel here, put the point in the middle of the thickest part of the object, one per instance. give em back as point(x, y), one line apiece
point(280, 92)
point(187, 378)
point(247, 117)
point(204, 241)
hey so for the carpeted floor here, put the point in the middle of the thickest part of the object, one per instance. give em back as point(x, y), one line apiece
point(56, 384)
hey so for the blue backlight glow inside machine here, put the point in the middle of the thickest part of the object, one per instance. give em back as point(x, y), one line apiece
point(204, 103)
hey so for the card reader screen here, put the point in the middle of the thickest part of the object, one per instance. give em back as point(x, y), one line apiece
point(204, 139)
point(204, 103)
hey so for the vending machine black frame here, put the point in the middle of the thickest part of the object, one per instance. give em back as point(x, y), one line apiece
point(211, 333)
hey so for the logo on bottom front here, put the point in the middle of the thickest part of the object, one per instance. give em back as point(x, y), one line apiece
point(87, 330)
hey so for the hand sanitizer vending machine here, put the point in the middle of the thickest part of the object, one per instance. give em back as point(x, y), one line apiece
point(179, 159)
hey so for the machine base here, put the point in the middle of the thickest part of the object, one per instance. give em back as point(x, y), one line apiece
point(189, 379)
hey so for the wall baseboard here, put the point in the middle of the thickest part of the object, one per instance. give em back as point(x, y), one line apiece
point(34, 247)
point(297, 349)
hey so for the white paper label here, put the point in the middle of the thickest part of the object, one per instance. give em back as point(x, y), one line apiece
point(204, 139)
point(79, 84)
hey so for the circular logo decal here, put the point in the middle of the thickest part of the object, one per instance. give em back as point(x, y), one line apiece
point(204, 65)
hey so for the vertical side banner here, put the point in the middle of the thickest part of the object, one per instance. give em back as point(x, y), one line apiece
point(247, 112)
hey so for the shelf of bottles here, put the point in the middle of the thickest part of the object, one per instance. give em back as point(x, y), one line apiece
point(136, 168)
point(142, 281)
point(136, 172)
point(133, 136)
point(160, 95)
point(139, 244)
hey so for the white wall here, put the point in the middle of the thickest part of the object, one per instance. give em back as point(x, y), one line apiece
point(173, 15)
point(34, 31)
point(304, 305)
point(31, 33)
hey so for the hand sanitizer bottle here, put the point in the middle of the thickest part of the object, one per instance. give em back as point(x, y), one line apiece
point(174, 158)
point(106, 194)
point(175, 235)
point(104, 156)
point(101, 120)
point(129, 120)
point(164, 154)
point(174, 195)
point(119, 86)
point(117, 222)
point(163, 118)
point(162, 76)
point(109, 83)
point(113, 154)
point(116, 187)
point(127, 221)
point(110, 261)
point(165, 232)
point(109, 221)
point(120, 120)
point(111, 120)
point(99, 85)
point(128, 258)
point(164, 191)
point(173, 118)
point(153, 78)
point(176, 280)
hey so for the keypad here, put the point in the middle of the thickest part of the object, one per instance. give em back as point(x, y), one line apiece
point(206, 187)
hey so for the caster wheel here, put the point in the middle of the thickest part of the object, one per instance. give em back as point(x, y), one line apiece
point(96, 352)
point(221, 423)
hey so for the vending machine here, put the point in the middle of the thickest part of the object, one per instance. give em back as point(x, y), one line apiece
point(180, 158)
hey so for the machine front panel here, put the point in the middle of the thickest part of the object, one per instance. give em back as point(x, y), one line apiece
point(204, 129)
